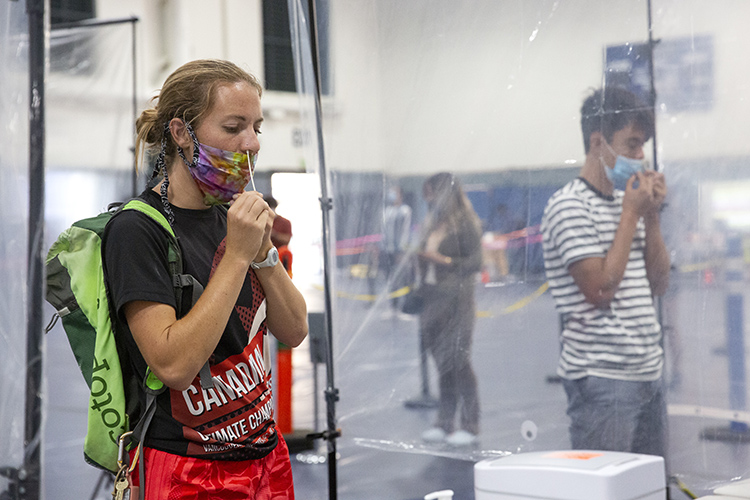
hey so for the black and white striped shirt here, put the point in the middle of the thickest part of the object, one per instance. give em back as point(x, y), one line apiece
point(621, 341)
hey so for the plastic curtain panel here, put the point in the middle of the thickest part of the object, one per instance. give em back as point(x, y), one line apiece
point(490, 93)
point(14, 185)
point(90, 121)
point(89, 165)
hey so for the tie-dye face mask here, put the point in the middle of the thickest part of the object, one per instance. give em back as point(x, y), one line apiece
point(219, 174)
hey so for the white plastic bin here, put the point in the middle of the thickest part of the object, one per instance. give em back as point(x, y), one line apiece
point(571, 475)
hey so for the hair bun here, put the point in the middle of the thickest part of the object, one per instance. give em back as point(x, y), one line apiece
point(147, 123)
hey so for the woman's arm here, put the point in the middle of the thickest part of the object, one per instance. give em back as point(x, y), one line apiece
point(176, 349)
point(286, 314)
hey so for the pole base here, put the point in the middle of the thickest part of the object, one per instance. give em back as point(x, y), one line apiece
point(423, 402)
point(730, 433)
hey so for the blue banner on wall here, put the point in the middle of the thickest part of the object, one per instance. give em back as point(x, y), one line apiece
point(683, 68)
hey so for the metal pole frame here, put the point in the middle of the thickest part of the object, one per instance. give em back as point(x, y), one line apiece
point(25, 482)
point(652, 90)
point(29, 475)
point(326, 205)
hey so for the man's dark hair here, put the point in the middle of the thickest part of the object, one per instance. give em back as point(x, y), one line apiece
point(611, 109)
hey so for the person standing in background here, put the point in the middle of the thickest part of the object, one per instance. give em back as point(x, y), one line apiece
point(450, 257)
point(395, 243)
point(605, 259)
point(281, 235)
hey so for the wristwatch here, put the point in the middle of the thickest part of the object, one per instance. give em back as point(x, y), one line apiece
point(272, 258)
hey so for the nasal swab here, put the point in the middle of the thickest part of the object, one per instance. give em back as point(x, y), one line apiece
point(252, 167)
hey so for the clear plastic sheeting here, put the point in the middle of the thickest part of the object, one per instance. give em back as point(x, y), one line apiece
point(90, 89)
point(14, 206)
point(490, 92)
point(89, 165)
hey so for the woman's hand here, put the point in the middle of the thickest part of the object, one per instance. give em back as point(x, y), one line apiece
point(266, 243)
point(249, 222)
point(436, 257)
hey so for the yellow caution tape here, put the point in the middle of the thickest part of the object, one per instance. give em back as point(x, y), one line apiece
point(700, 266)
point(479, 314)
point(526, 300)
point(365, 297)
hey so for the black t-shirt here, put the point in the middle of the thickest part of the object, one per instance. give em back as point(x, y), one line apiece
point(235, 419)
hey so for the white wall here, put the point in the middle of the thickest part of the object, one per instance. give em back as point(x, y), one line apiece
point(426, 85)
point(169, 33)
point(487, 85)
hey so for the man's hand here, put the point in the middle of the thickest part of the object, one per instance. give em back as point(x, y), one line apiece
point(659, 191)
point(639, 200)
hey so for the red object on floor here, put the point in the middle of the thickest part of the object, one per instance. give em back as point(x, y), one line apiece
point(485, 276)
point(284, 392)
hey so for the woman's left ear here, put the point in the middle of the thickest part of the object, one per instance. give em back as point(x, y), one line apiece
point(179, 132)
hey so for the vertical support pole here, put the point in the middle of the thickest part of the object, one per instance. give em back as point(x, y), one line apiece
point(424, 400)
point(735, 329)
point(134, 187)
point(30, 473)
point(652, 86)
point(326, 205)
point(736, 432)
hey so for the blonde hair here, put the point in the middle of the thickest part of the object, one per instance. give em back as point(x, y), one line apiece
point(188, 93)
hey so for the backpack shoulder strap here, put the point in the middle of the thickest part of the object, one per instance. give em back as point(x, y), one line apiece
point(180, 281)
point(175, 256)
point(142, 206)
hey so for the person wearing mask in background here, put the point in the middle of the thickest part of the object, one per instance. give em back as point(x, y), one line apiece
point(605, 259)
point(281, 235)
point(221, 442)
point(395, 243)
point(450, 257)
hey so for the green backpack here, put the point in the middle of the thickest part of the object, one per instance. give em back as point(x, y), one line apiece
point(77, 290)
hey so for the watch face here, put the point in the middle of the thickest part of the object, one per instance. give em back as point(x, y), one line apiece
point(272, 258)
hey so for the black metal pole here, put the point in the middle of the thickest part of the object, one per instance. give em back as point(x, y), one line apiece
point(30, 473)
point(94, 23)
point(652, 90)
point(652, 102)
point(326, 204)
point(135, 111)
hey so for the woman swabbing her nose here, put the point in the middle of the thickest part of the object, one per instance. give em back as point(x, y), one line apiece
point(213, 433)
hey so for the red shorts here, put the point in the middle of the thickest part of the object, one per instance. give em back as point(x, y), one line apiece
point(173, 477)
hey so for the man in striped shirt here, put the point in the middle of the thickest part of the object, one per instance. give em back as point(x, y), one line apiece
point(605, 259)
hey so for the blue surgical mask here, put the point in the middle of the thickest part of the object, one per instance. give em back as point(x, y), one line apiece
point(624, 169)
